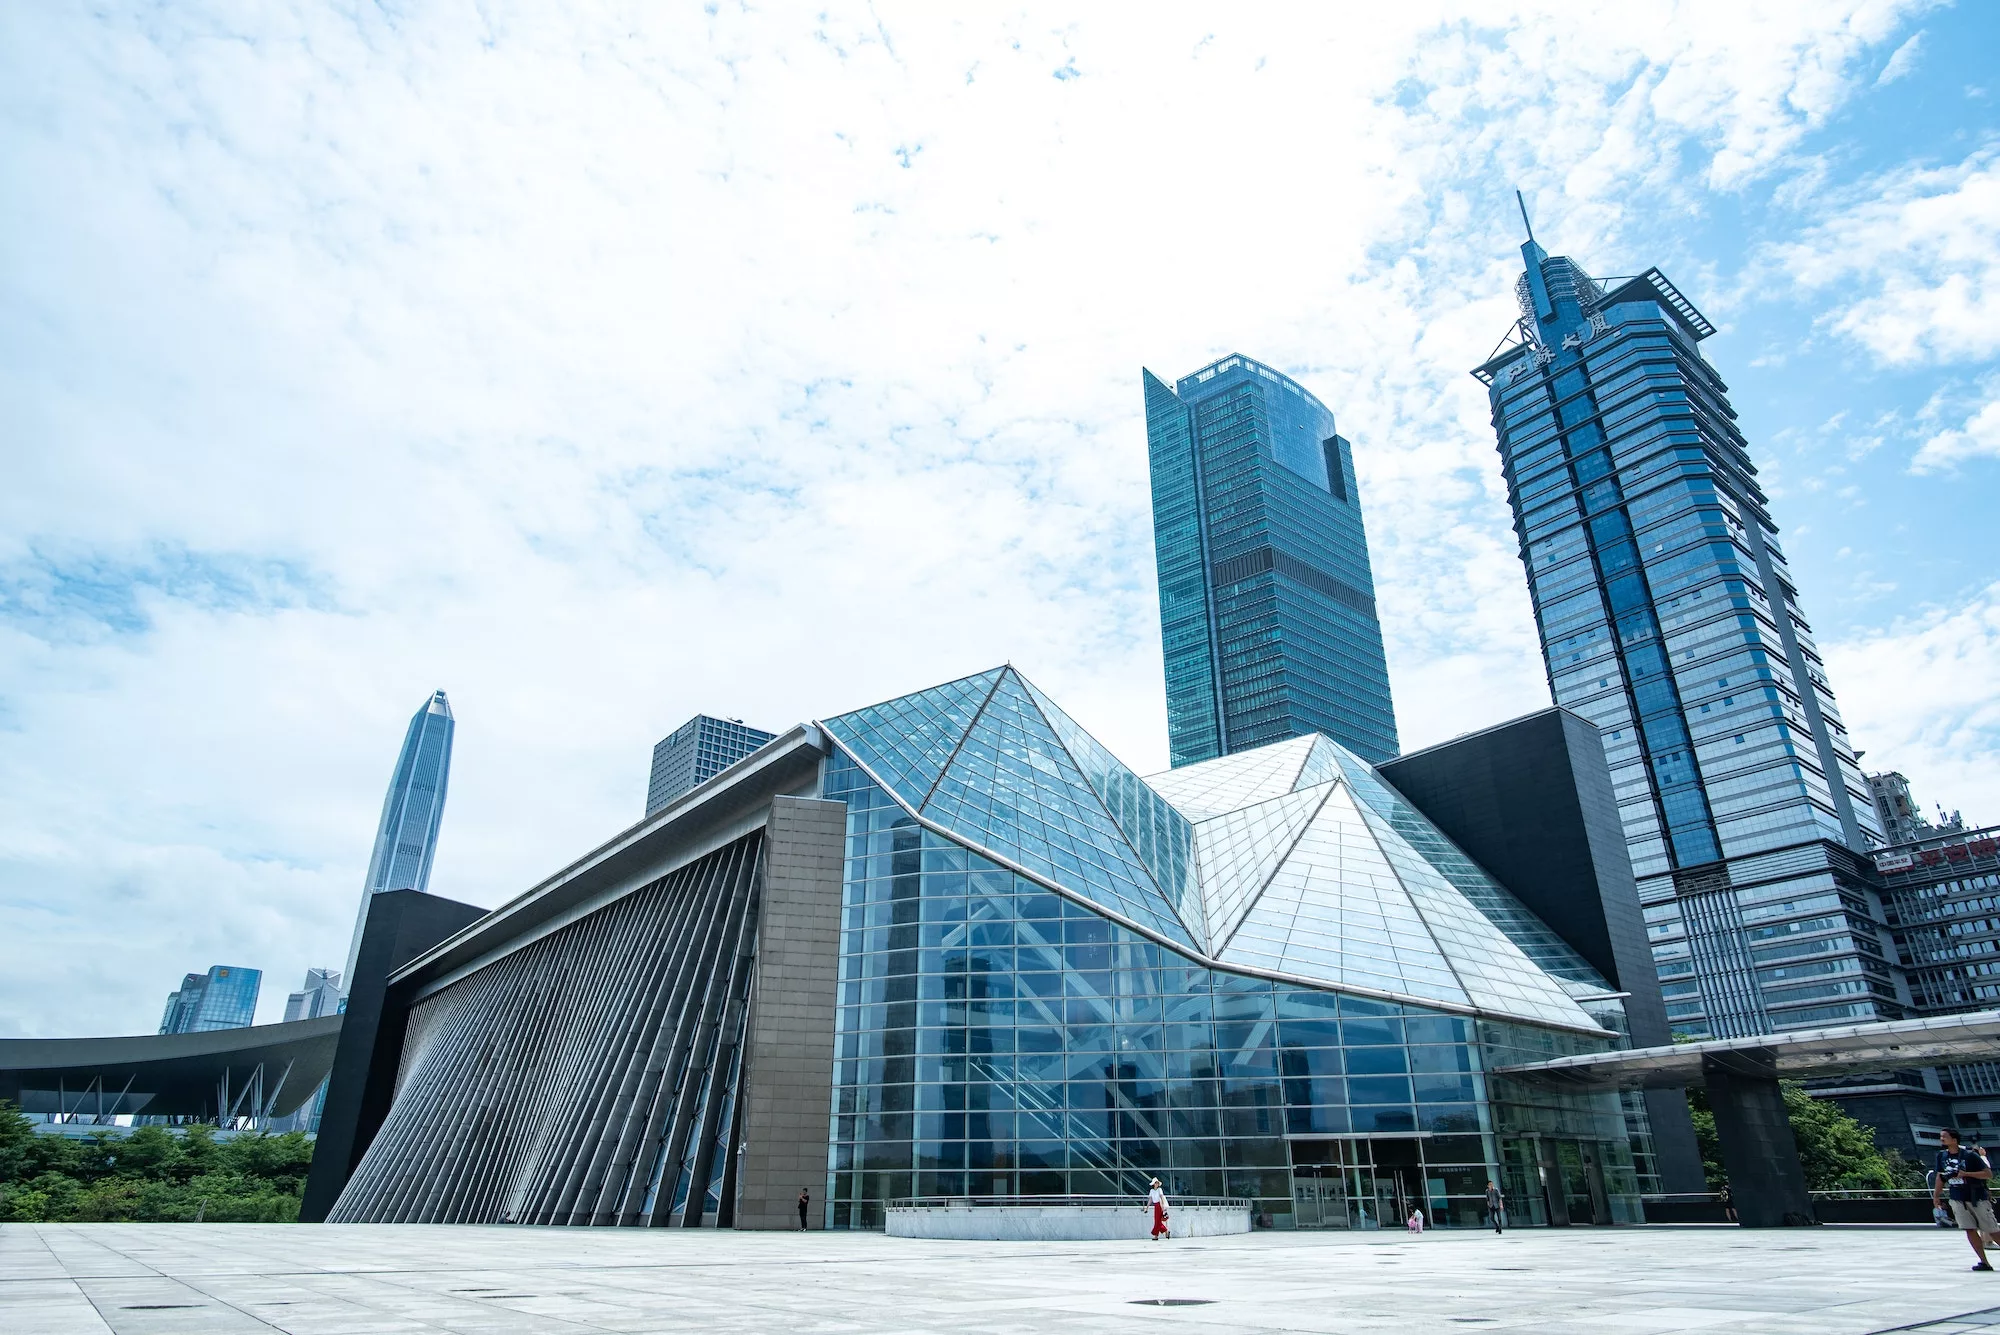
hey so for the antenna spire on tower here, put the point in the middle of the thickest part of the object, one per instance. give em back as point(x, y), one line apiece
point(1524, 215)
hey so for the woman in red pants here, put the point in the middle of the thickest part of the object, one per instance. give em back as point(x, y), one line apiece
point(1158, 1200)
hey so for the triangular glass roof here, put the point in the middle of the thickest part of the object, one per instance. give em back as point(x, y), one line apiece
point(1535, 938)
point(1337, 910)
point(1162, 836)
point(1239, 850)
point(908, 740)
point(1010, 786)
point(1229, 783)
point(1294, 858)
point(1492, 969)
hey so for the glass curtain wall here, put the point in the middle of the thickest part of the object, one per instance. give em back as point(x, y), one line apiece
point(994, 1038)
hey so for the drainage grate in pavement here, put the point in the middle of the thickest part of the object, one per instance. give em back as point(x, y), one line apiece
point(157, 1307)
point(1171, 1302)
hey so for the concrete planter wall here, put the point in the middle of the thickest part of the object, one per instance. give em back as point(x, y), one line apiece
point(1060, 1223)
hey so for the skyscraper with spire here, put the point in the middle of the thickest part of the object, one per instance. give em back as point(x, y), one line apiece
point(1669, 617)
point(406, 838)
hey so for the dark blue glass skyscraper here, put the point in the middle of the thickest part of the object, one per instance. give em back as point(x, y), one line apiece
point(406, 839)
point(1669, 618)
point(1267, 604)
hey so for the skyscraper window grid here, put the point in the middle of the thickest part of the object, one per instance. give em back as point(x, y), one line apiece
point(696, 752)
point(1267, 602)
point(1667, 616)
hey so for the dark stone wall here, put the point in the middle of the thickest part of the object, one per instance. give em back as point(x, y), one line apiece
point(1530, 800)
point(401, 925)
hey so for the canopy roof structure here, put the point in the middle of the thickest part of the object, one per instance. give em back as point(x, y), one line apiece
point(260, 1071)
point(1802, 1055)
point(1294, 860)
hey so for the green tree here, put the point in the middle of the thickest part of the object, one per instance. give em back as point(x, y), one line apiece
point(1837, 1152)
point(151, 1174)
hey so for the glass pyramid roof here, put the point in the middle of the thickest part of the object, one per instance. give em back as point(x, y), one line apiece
point(1239, 851)
point(1337, 910)
point(1006, 783)
point(1294, 858)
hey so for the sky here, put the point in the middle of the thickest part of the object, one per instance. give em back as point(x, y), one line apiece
point(605, 365)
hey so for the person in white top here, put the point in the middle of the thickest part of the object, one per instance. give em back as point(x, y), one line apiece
point(1416, 1219)
point(1158, 1200)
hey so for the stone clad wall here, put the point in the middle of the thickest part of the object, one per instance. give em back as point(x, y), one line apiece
point(789, 1085)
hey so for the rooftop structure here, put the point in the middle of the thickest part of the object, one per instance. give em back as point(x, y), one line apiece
point(1902, 817)
point(255, 1072)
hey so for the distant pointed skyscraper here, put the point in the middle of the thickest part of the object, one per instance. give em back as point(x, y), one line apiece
point(406, 840)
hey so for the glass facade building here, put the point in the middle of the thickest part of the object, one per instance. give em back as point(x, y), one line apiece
point(1264, 976)
point(1669, 618)
point(320, 996)
point(696, 752)
point(223, 998)
point(1267, 603)
point(412, 811)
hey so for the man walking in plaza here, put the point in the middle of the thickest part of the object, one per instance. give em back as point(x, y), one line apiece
point(1496, 1205)
point(1964, 1173)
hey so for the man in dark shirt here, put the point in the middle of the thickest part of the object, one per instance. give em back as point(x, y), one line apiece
point(1964, 1173)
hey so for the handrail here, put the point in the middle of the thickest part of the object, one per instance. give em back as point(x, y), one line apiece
point(966, 1202)
point(1827, 1194)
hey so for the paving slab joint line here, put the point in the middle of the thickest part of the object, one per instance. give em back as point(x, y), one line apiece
point(1936, 1321)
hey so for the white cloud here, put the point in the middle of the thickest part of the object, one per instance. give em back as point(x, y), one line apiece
point(1978, 436)
point(1919, 698)
point(1903, 63)
point(1913, 260)
point(602, 369)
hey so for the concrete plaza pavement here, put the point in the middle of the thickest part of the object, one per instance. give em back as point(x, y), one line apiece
point(56, 1279)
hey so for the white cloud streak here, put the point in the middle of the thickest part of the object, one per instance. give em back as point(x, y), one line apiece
point(1978, 436)
point(1921, 247)
point(1924, 690)
point(1903, 62)
point(604, 367)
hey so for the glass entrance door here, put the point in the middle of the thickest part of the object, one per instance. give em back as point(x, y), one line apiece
point(1374, 1182)
point(1319, 1196)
